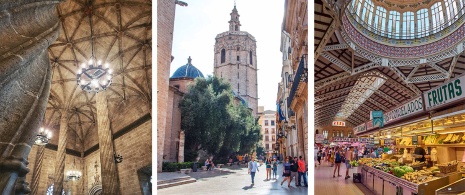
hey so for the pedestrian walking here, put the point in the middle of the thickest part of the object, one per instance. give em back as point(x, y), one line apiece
point(275, 168)
point(318, 156)
point(337, 161)
point(268, 169)
point(294, 168)
point(253, 167)
point(348, 158)
point(302, 171)
point(287, 172)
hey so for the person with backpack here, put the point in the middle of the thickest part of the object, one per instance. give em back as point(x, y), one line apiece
point(318, 156)
point(337, 161)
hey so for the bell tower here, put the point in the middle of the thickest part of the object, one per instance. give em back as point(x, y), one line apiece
point(235, 60)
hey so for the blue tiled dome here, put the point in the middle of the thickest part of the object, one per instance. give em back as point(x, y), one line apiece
point(187, 71)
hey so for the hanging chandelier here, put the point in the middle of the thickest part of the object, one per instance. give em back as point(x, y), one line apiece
point(43, 137)
point(74, 174)
point(92, 76)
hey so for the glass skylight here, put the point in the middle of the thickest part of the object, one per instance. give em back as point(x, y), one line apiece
point(401, 25)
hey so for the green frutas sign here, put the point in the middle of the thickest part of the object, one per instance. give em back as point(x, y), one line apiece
point(445, 93)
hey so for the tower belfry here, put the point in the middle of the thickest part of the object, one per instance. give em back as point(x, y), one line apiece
point(236, 61)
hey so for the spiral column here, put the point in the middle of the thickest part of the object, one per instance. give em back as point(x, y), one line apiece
point(27, 28)
point(110, 184)
point(37, 169)
point(61, 155)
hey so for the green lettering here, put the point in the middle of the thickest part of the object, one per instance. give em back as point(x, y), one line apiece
point(434, 97)
point(429, 99)
point(445, 93)
point(440, 97)
point(458, 87)
point(420, 104)
point(450, 87)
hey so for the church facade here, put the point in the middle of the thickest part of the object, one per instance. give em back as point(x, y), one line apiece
point(235, 61)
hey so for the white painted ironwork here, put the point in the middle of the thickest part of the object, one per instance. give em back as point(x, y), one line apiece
point(336, 61)
point(332, 93)
point(403, 62)
point(412, 72)
point(336, 47)
point(379, 105)
point(324, 40)
point(400, 88)
point(452, 66)
point(366, 67)
point(399, 73)
point(387, 97)
point(332, 79)
point(329, 102)
point(425, 78)
point(440, 69)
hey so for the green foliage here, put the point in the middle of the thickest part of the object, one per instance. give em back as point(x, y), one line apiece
point(214, 123)
point(174, 166)
point(190, 155)
point(260, 150)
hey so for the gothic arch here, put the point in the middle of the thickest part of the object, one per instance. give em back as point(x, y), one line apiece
point(95, 190)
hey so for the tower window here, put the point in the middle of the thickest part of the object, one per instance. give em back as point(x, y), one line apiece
point(223, 55)
point(251, 57)
point(236, 28)
point(238, 75)
point(238, 48)
point(238, 58)
point(238, 88)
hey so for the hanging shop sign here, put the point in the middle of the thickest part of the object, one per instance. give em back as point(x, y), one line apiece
point(377, 117)
point(408, 109)
point(389, 142)
point(339, 123)
point(360, 129)
point(369, 125)
point(319, 138)
point(446, 93)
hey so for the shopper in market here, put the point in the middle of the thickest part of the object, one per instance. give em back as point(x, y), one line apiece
point(419, 150)
point(337, 161)
point(318, 156)
point(348, 157)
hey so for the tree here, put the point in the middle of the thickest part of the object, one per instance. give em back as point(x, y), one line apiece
point(214, 123)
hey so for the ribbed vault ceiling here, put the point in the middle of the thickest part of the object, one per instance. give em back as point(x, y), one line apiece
point(122, 37)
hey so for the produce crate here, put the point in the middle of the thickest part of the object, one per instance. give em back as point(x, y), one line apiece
point(357, 177)
point(419, 166)
point(447, 169)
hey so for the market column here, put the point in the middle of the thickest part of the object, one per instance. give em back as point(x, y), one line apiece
point(27, 28)
point(110, 184)
point(37, 169)
point(59, 175)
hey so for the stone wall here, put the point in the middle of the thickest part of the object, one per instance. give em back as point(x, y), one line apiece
point(136, 149)
point(173, 126)
point(165, 25)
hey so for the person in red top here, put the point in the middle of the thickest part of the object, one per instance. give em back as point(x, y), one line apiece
point(302, 171)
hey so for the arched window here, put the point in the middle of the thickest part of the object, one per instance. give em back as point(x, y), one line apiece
point(370, 9)
point(223, 55)
point(451, 9)
point(380, 20)
point(408, 25)
point(394, 24)
point(423, 23)
point(437, 16)
point(251, 58)
point(236, 28)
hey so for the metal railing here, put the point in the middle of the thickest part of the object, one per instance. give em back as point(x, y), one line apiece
point(404, 34)
point(297, 80)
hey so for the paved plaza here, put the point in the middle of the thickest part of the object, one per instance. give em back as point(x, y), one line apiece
point(234, 181)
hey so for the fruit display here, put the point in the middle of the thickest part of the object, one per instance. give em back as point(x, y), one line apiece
point(401, 170)
point(454, 162)
point(452, 138)
point(406, 141)
point(419, 176)
point(354, 163)
point(431, 139)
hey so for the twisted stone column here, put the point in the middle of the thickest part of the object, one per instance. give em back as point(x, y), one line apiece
point(110, 184)
point(61, 155)
point(27, 28)
point(37, 169)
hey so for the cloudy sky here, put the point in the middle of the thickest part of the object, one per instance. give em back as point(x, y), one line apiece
point(197, 25)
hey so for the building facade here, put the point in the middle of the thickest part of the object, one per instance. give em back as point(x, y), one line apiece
point(292, 90)
point(268, 124)
point(235, 60)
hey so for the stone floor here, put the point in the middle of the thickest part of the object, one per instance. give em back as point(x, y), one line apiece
point(233, 181)
point(326, 184)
